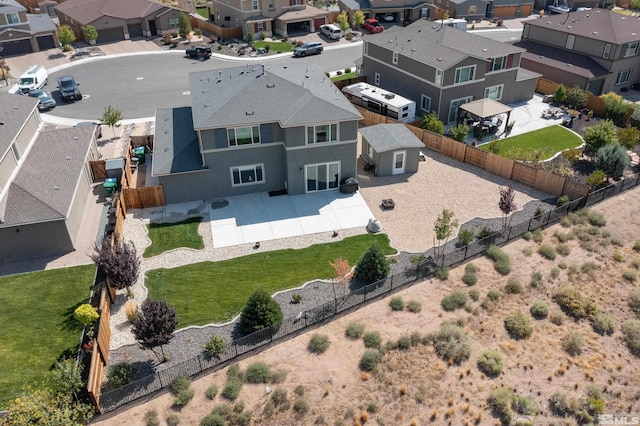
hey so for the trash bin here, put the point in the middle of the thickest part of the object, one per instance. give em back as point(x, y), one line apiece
point(139, 154)
point(110, 186)
point(349, 185)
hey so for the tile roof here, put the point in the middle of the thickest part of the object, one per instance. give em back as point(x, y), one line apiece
point(15, 110)
point(388, 137)
point(85, 12)
point(45, 185)
point(176, 148)
point(571, 62)
point(292, 94)
point(439, 46)
point(598, 24)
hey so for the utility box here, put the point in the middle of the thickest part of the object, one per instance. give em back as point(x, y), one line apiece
point(114, 167)
point(139, 154)
point(110, 186)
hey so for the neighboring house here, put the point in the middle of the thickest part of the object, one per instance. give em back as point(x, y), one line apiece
point(22, 32)
point(392, 148)
point(441, 68)
point(398, 11)
point(597, 50)
point(481, 9)
point(118, 20)
point(281, 17)
point(45, 181)
point(284, 127)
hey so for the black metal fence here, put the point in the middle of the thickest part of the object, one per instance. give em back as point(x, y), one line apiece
point(113, 399)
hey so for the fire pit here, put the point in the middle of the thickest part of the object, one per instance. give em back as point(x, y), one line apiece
point(388, 204)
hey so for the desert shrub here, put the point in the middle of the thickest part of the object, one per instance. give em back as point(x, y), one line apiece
point(404, 342)
point(120, 375)
point(573, 343)
point(214, 347)
point(630, 275)
point(536, 279)
point(527, 235)
point(222, 410)
point(538, 236)
point(470, 276)
point(573, 303)
point(455, 300)
point(396, 303)
point(416, 338)
point(181, 388)
point(151, 418)
point(414, 306)
point(563, 237)
point(518, 325)
point(483, 232)
point(501, 261)
point(513, 286)
point(355, 330)
point(563, 201)
point(493, 295)
point(319, 343)
point(555, 272)
point(474, 295)
point(634, 301)
point(442, 273)
point(131, 311)
point(596, 219)
point(173, 420)
point(258, 372)
point(451, 343)
point(559, 405)
point(211, 391)
point(636, 246)
point(277, 376)
point(556, 317)
point(524, 405)
point(490, 363)
point(372, 339)
point(547, 251)
point(563, 249)
point(232, 388)
point(465, 237)
point(500, 402)
point(296, 298)
point(470, 267)
point(213, 420)
point(631, 335)
point(280, 399)
point(603, 324)
point(370, 360)
point(487, 304)
point(301, 407)
point(539, 309)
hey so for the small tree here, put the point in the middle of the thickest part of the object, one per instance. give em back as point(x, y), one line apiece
point(629, 137)
point(155, 326)
point(507, 204)
point(612, 159)
point(184, 24)
point(615, 106)
point(443, 227)
point(66, 377)
point(111, 117)
point(432, 123)
point(372, 266)
point(600, 135)
point(261, 311)
point(120, 262)
point(341, 273)
point(460, 132)
point(66, 36)
point(576, 97)
point(250, 38)
point(343, 21)
point(560, 94)
point(358, 19)
point(90, 33)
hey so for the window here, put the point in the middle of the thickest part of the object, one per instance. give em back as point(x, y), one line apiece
point(570, 40)
point(16, 151)
point(453, 108)
point(631, 49)
point(438, 77)
point(376, 79)
point(321, 177)
point(247, 175)
point(472, 10)
point(494, 92)
point(394, 59)
point(607, 51)
point(244, 136)
point(525, 32)
point(260, 27)
point(271, 6)
point(254, 4)
point(12, 18)
point(369, 151)
point(465, 74)
point(322, 133)
point(499, 64)
point(623, 77)
point(425, 103)
point(174, 22)
point(365, 48)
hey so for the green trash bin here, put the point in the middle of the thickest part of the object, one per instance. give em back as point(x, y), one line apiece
point(139, 154)
point(110, 186)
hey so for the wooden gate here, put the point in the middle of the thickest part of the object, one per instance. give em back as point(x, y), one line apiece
point(99, 169)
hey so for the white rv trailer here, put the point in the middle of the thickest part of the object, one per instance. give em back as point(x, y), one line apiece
point(382, 101)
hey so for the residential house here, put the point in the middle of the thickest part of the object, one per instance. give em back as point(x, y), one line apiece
point(481, 9)
point(282, 127)
point(117, 20)
point(45, 181)
point(22, 32)
point(398, 11)
point(441, 68)
point(597, 50)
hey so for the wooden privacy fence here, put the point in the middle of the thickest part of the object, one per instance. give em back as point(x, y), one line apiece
point(100, 352)
point(138, 198)
point(141, 140)
point(99, 169)
point(218, 31)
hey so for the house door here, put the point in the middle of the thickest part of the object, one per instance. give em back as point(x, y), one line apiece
point(321, 177)
point(399, 160)
point(595, 87)
point(453, 108)
point(152, 28)
point(489, 13)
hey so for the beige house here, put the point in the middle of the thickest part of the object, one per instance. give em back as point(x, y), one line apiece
point(22, 32)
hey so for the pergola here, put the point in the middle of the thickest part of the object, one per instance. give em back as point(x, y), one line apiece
point(485, 108)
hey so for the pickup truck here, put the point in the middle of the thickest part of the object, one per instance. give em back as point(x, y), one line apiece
point(372, 25)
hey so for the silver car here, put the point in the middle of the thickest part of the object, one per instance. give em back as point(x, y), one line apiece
point(312, 48)
point(46, 101)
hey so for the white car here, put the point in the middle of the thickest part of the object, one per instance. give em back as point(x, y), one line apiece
point(332, 32)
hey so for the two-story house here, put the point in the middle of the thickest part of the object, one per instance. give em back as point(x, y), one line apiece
point(281, 17)
point(255, 128)
point(480, 9)
point(398, 11)
point(45, 181)
point(22, 32)
point(597, 50)
point(441, 68)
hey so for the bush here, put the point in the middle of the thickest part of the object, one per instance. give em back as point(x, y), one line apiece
point(455, 300)
point(634, 301)
point(465, 237)
point(442, 273)
point(547, 251)
point(404, 342)
point(173, 419)
point(214, 347)
point(603, 324)
point(574, 304)
point(576, 97)
point(372, 266)
point(518, 325)
point(370, 360)
point(513, 286)
point(596, 178)
point(556, 317)
point(484, 232)
point(181, 388)
point(86, 314)
point(599, 135)
point(470, 276)
point(490, 363)
point(539, 309)
point(500, 401)
point(279, 398)
point(260, 312)
point(131, 311)
point(120, 375)
point(573, 343)
point(563, 201)
point(211, 391)
point(319, 344)
point(527, 236)
point(501, 261)
point(232, 388)
point(151, 418)
point(296, 298)
point(631, 335)
point(213, 420)
point(372, 339)
point(451, 343)
point(355, 330)
point(612, 159)
point(630, 275)
point(414, 306)
point(474, 295)
point(558, 404)
point(536, 279)
point(396, 303)
point(258, 372)
point(301, 407)
point(432, 123)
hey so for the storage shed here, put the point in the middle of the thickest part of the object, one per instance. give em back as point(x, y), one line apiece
point(391, 148)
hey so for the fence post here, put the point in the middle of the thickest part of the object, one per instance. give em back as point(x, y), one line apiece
point(305, 319)
point(365, 293)
point(200, 362)
point(235, 346)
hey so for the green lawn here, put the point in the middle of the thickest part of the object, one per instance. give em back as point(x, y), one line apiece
point(345, 76)
point(169, 236)
point(540, 144)
point(203, 11)
point(213, 292)
point(37, 324)
point(275, 46)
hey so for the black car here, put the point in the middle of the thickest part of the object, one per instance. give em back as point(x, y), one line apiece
point(199, 52)
point(69, 89)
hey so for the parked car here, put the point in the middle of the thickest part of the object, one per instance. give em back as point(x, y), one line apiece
point(34, 78)
point(389, 17)
point(92, 123)
point(69, 90)
point(333, 32)
point(46, 101)
point(313, 48)
point(199, 52)
point(372, 25)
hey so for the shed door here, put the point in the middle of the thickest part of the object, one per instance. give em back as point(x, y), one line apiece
point(399, 161)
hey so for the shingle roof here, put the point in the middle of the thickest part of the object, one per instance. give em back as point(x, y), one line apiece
point(570, 62)
point(388, 137)
point(15, 110)
point(85, 12)
point(598, 24)
point(292, 94)
point(41, 23)
point(356, 4)
point(439, 46)
point(11, 6)
point(176, 147)
point(45, 185)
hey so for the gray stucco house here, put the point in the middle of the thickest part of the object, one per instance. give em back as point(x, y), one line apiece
point(391, 148)
point(22, 32)
point(397, 11)
point(481, 9)
point(45, 181)
point(282, 127)
point(441, 68)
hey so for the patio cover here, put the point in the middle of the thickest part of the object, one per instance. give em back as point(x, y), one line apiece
point(485, 108)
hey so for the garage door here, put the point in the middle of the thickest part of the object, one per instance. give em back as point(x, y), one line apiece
point(318, 22)
point(17, 47)
point(505, 11)
point(525, 10)
point(135, 30)
point(46, 42)
point(110, 34)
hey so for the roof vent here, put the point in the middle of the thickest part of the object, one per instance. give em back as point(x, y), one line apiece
point(569, 65)
point(440, 59)
point(389, 96)
point(548, 22)
point(633, 34)
point(413, 50)
point(485, 50)
point(75, 138)
point(68, 157)
point(249, 113)
point(569, 27)
point(595, 33)
point(271, 85)
point(56, 187)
